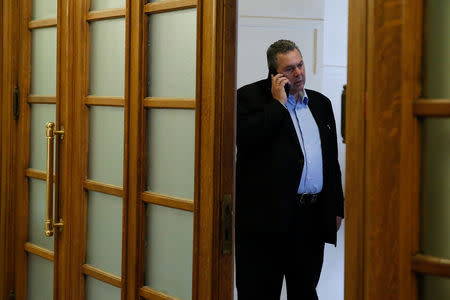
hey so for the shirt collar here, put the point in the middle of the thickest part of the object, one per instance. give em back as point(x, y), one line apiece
point(304, 100)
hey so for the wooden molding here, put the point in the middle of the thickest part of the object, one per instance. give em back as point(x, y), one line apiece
point(168, 5)
point(39, 251)
point(104, 101)
point(151, 294)
point(432, 108)
point(101, 275)
point(42, 23)
point(153, 102)
point(105, 188)
point(430, 265)
point(36, 99)
point(106, 14)
point(168, 201)
point(37, 174)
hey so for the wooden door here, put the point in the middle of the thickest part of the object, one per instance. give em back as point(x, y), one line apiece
point(144, 93)
point(397, 210)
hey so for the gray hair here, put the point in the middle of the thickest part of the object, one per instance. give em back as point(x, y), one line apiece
point(280, 46)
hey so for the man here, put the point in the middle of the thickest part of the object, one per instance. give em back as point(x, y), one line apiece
point(289, 198)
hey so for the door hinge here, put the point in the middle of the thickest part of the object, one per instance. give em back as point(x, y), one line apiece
point(16, 103)
point(12, 295)
point(227, 225)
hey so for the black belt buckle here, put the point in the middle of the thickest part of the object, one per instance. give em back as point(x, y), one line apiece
point(308, 198)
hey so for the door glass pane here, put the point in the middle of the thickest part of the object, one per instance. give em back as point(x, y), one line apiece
point(436, 190)
point(107, 4)
point(105, 158)
point(37, 208)
point(172, 54)
point(436, 133)
point(171, 149)
point(43, 9)
point(168, 251)
point(39, 116)
point(40, 278)
point(99, 290)
point(434, 288)
point(43, 61)
point(104, 232)
point(107, 58)
point(435, 221)
point(437, 49)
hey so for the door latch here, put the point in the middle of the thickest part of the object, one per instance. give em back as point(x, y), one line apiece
point(227, 224)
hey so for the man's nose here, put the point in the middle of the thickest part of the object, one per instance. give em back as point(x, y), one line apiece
point(297, 71)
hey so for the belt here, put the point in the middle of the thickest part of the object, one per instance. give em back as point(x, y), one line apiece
point(307, 198)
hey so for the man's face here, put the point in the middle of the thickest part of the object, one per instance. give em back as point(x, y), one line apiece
point(291, 65)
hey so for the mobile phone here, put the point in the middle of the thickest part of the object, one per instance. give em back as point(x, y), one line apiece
point(287, 86)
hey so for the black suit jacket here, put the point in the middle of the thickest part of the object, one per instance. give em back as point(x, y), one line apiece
point(270, 162)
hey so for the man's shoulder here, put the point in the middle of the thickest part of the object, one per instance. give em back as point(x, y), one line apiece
point(257, 86)
point(315, 94)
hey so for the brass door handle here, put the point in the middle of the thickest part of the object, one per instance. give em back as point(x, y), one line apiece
point(50, 133)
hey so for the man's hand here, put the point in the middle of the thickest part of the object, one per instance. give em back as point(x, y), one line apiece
point(278, 92)
point(338, 223)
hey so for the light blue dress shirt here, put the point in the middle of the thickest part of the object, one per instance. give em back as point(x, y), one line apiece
point(309, 138)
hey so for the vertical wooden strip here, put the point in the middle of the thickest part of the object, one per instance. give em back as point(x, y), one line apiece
point(410, 147)
point(355, 150)
point(383, 126)
point(79, 151)
point(126, 149)
point(9, 29)
point(136, 130)
point(228, 137)
point(23, 151)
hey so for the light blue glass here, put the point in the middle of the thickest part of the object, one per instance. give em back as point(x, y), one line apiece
point(40, 114)
point(171, 151)
point(43, 61)
point(37, 210)
point(105, 155)
point(44, 9)
point(40, 278)
point(107, 58)
point(172, 39)
point(107, 4)
point(104, 232)
point(169, 250)
point(99, 290)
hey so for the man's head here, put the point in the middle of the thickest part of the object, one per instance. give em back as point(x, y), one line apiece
point(285, 57)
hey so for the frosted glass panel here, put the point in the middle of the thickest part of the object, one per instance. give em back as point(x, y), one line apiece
point(171, 54)
point(43, 9)
point(107, 59)
point(168, 266)
point(37, 208)
point(43, 61)
point(437, 49)
point(104, 232)
point(434, 288)
point(98, 290)
point(171, 148)
point(40, 278)
point(107, 4)
point(105, 158)
point(39, 116)
point(436, 190)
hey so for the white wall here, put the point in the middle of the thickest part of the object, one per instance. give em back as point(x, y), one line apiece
point(262, 22)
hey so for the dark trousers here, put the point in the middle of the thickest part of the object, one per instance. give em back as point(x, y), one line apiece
point(264, 259)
